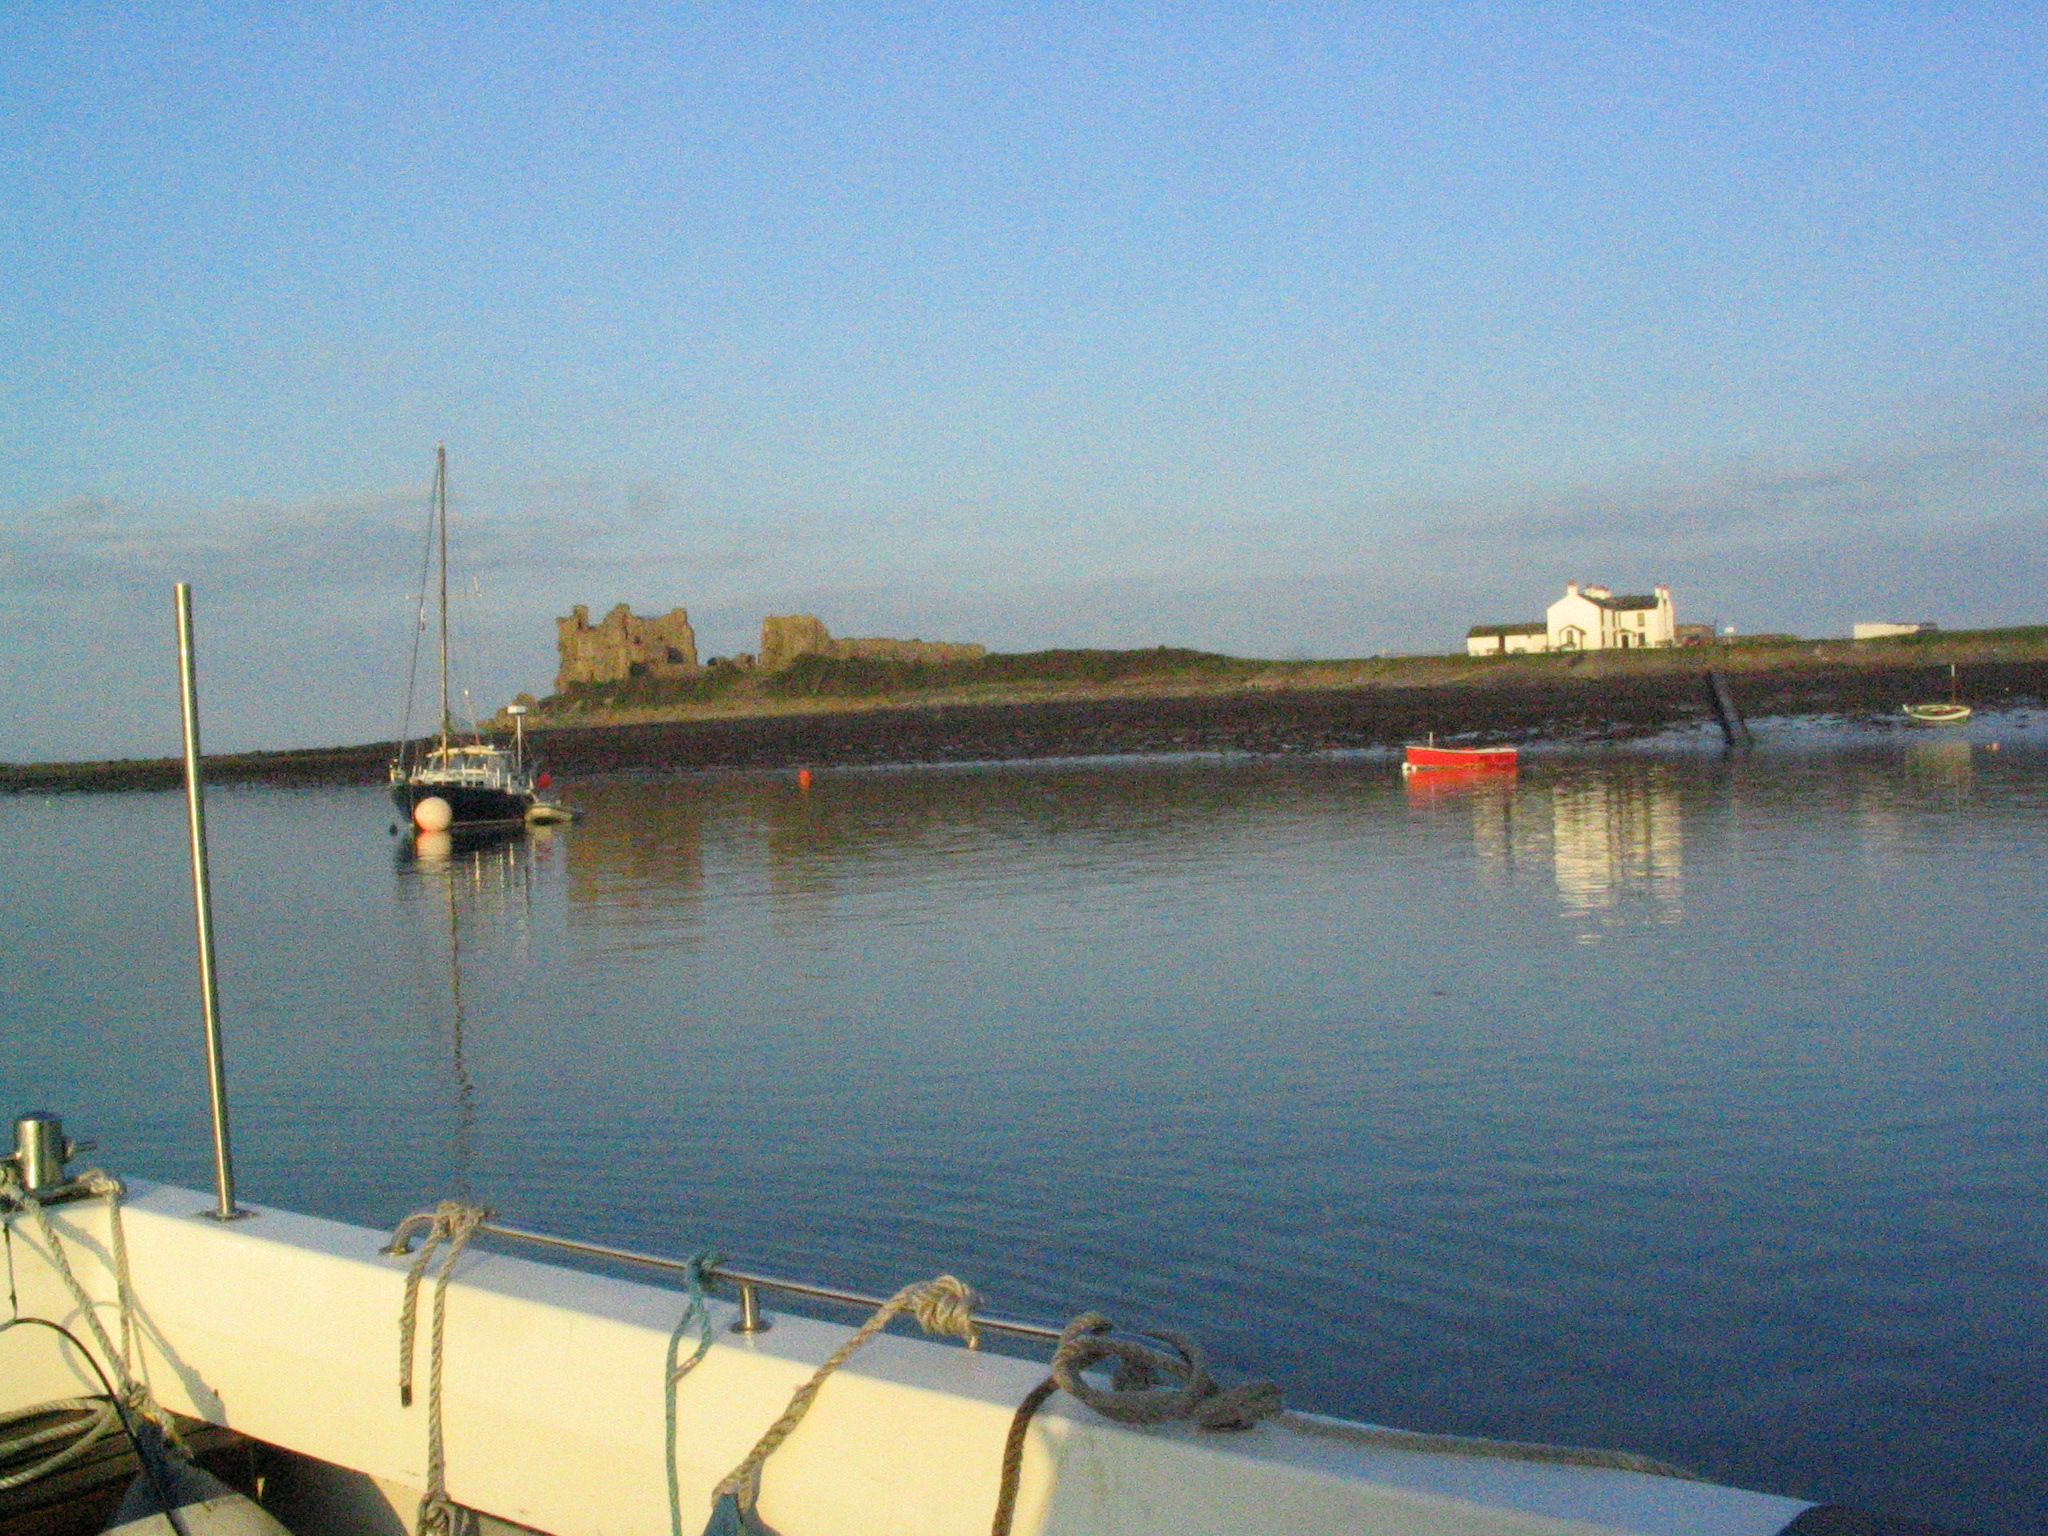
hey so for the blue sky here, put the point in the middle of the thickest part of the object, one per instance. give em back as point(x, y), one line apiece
point(1276, 330)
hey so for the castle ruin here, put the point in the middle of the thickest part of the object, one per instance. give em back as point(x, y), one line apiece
point(623, 646)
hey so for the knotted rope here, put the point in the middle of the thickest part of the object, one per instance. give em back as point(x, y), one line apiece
point(943, 1306)
point(1153, 1386)
point(1149, 1385)
point(455, 1223)
point(675, 1369)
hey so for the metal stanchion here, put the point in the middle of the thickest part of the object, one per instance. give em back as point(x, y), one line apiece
point(202, 901)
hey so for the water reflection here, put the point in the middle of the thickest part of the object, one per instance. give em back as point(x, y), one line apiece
point(1947, 764)
point(637, 858)
point(452, 879)
point(807, 848)
point(1891, 806)
point(1617, 841)
point(1609, 845)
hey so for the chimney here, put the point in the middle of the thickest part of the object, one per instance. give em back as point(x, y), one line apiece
point(1571, 589)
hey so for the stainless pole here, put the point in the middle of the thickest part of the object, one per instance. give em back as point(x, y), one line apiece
point(202, 901)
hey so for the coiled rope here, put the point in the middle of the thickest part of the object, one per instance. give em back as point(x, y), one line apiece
point(941, 1306)
point(103, 1414)
point(1150, 1386)
point(127, 1399)
point(454, 1223)
point(134, 1394)
point(101, 1419)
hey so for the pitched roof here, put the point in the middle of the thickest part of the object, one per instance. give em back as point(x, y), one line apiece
point(1624, 603)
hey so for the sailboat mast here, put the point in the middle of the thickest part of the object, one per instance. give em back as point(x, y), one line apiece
point(441, 511)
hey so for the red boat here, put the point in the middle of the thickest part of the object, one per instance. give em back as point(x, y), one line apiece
point(1489, 759)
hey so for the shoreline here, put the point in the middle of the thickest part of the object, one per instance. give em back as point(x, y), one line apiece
point(1588, 698)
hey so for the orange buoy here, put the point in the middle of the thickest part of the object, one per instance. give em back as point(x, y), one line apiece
point(803, 778)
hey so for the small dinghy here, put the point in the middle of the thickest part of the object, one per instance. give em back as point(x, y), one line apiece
point(1939, 714)
point(1952, 712)
point(201, 1503)
point(1432, 758)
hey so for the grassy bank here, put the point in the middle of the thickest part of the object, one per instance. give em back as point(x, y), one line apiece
point(821, 683)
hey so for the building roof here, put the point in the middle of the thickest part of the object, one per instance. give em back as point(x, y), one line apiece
point(1625, 602)
point(1478, 631)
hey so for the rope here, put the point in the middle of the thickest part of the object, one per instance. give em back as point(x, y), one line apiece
point(674, 1371)
point(455, 1223)
point(125, 1405)
point(412, 675)
point(149, 1450)
point(1479, 1445)
point(102, 1419)
point(1143, 1391)
point(133, 1394)
point(1152, 1386)
point(944, 1305)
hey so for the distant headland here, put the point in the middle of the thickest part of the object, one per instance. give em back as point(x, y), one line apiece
point(625, 704)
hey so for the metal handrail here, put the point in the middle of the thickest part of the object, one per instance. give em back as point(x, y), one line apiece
point(749, 1282)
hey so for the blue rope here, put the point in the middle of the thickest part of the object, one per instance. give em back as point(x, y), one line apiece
point(674, 1370)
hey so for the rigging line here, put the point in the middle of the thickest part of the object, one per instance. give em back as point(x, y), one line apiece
point(419, 629)
point(441, 497)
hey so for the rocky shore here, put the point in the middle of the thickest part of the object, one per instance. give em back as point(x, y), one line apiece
point(1556, 701)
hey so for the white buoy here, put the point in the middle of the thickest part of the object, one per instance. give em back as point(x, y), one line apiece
point(433, 814)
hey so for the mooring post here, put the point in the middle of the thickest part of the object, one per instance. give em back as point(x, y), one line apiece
point(1734, 729)
point(202, 902)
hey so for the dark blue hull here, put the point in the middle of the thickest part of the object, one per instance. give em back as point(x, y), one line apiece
point(472, 805)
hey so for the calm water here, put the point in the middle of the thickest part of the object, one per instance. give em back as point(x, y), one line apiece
point(1649, 1100)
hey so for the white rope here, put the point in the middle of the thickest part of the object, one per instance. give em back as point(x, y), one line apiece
point(1153, 1386)
point(97, 1181)
point(1479, 1445)
point(944, 1305)
point(455, 1223)
point(101, 1416)
point(101, 1419)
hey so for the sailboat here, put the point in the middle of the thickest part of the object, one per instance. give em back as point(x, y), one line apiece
point(1953, 712)
point(457, 784)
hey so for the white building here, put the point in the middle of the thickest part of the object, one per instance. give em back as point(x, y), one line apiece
point(1507, 639)
point(1585, 619)
point(1889, 631)
point(1594, 619)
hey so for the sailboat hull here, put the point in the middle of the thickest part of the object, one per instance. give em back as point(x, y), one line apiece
point(471, 805)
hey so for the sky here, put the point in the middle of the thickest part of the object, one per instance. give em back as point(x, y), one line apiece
point(1286, 331)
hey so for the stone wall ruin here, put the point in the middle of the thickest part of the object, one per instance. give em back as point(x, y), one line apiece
point(623, 646)
point(786, 638)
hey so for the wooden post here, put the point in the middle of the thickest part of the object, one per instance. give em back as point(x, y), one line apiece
point(1734, 729)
